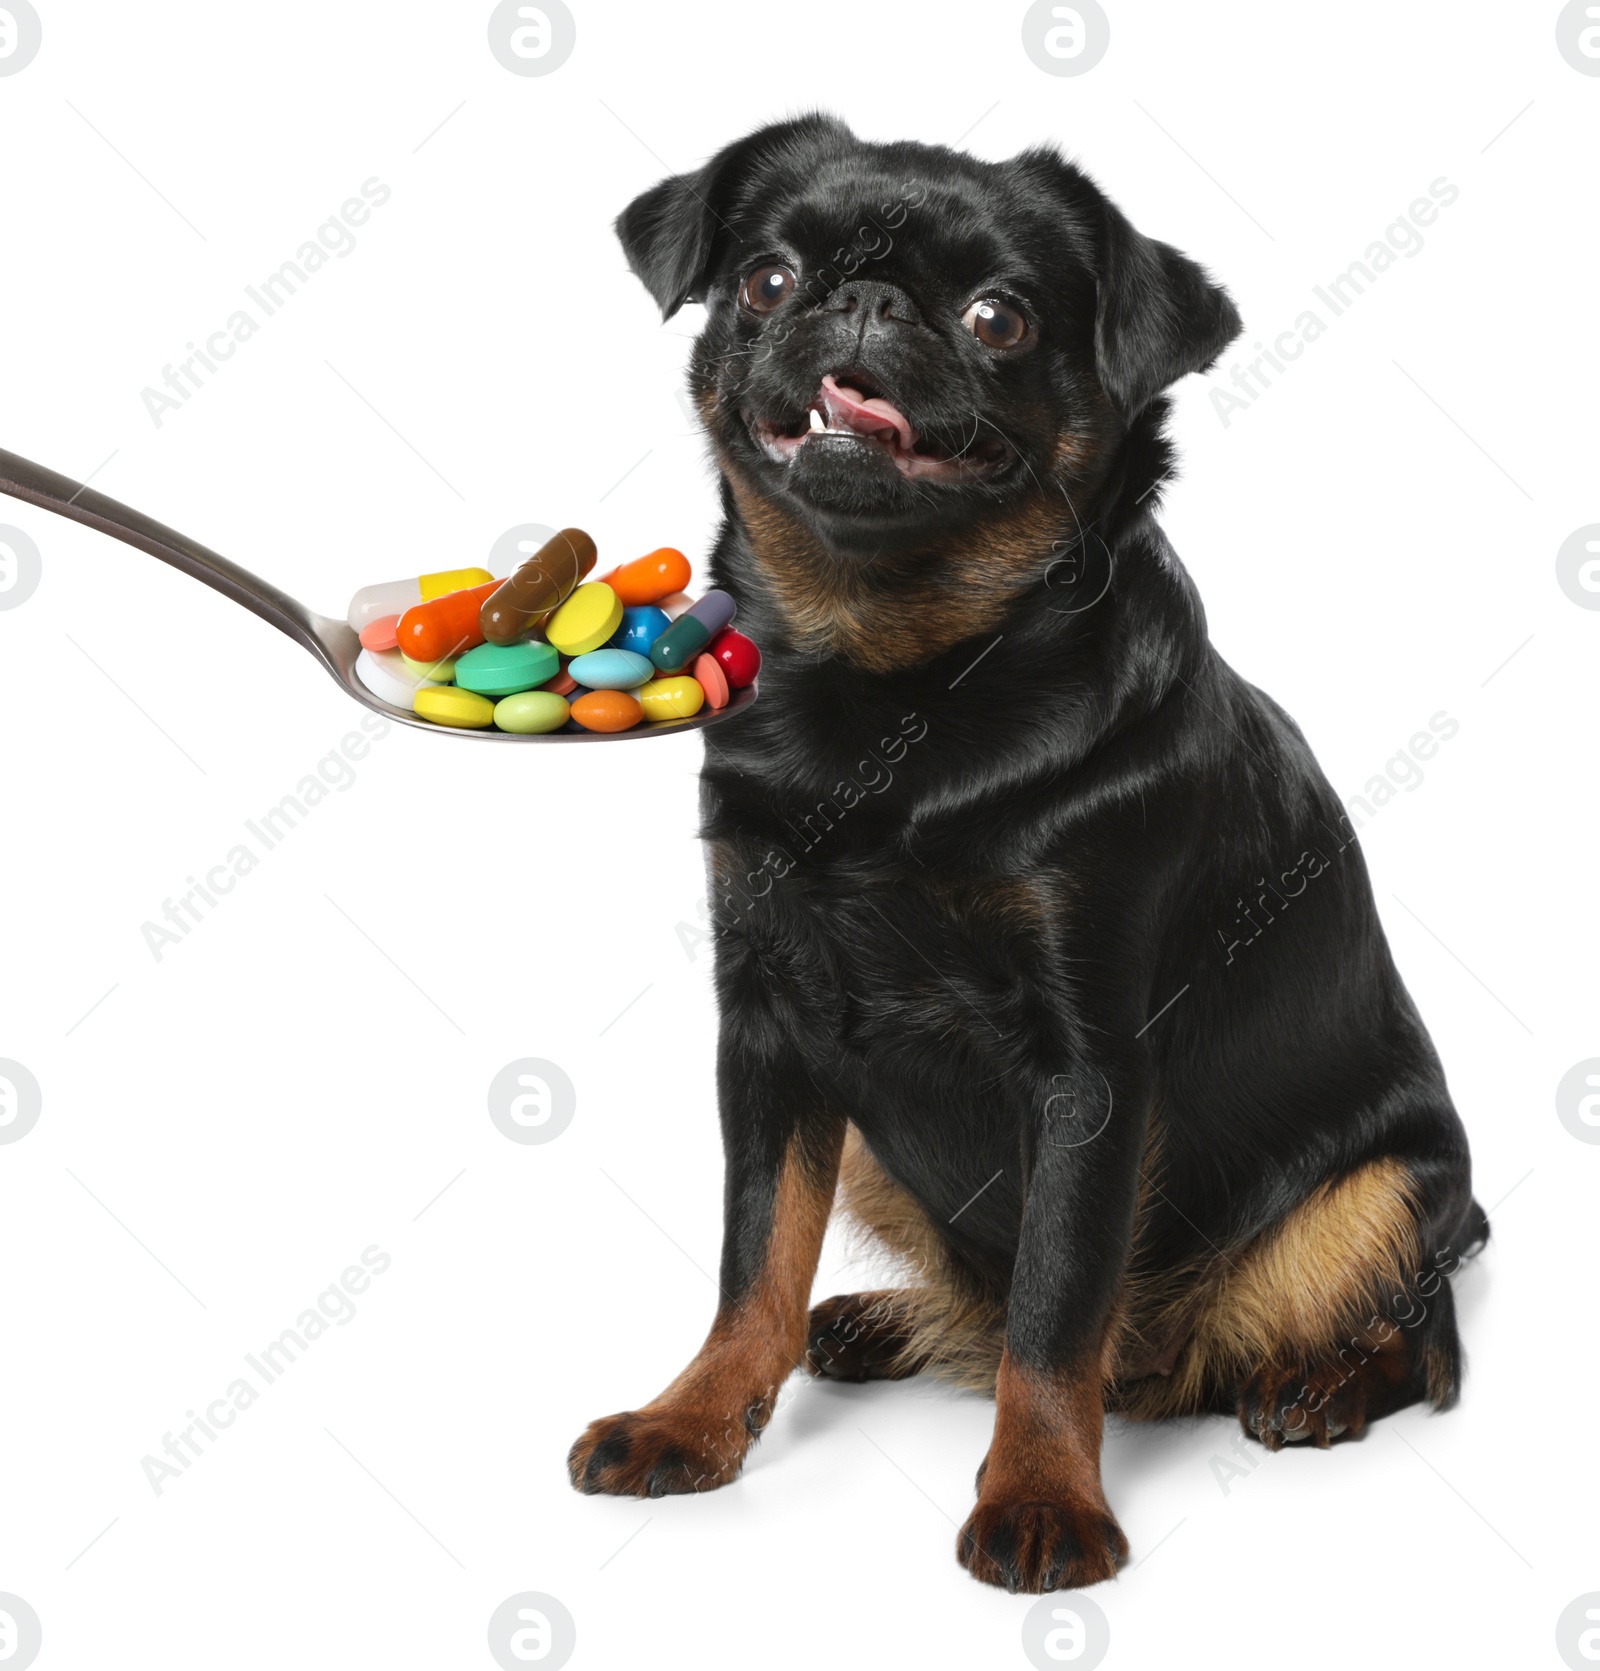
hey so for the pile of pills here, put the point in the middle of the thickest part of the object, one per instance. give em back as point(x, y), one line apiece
point(547, 648)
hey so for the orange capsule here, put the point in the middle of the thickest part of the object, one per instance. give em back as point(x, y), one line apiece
point(443, 627)
point(607, 710)
point(646, 579)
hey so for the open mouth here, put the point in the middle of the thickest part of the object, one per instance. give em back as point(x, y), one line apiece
point(855, 414)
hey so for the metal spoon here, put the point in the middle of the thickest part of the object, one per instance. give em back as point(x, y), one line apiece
point(333, 643)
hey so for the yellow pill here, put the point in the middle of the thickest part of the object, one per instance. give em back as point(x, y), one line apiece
point(586, 620)
point(450, 580)
point(674, 698)
point(448, 705)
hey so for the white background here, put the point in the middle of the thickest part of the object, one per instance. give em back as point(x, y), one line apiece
point(225, 1129)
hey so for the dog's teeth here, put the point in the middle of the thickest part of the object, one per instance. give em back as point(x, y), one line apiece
point(817, 425)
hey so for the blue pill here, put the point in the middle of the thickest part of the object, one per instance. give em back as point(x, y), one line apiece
point(612, 670)
point(642, 625)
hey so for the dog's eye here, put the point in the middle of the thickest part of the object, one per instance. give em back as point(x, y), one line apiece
point(996, 323)
point(765, 288)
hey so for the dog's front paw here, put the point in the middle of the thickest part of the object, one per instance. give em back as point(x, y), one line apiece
point(656, 1453)
point(1035, 1547)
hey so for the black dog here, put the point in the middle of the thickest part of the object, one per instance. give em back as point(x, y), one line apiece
point(1039, 932)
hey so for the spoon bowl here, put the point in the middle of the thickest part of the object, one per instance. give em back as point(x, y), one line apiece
point(331, 642)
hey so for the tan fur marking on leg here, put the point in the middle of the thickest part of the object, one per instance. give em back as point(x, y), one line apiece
point(1041, 1521)
point(953, 1330)
point(1302, 1287)
point(694, 1436)
point(756, 1341)
point(1047, 1434)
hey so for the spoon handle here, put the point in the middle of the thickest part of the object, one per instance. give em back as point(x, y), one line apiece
point(25, 480)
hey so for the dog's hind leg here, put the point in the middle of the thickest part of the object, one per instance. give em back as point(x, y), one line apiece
point(1405, 1351)
point(1339, 1314)
point(862, 1337)
point(1335, 1391)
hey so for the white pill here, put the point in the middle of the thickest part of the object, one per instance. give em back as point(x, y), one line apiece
point(385, 674)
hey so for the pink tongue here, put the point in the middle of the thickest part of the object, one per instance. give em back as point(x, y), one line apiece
point(847, 408)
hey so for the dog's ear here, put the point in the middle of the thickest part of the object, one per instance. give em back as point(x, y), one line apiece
point(1158, 315)
point(674, 233)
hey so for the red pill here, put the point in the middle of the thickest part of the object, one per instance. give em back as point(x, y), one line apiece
point(648, 578)
point(444, 628)
point(737, 656)
point(561, 684)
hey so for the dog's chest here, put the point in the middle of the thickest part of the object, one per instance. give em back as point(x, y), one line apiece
point(891, 964)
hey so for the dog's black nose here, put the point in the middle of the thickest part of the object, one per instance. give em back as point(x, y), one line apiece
point(875, 301)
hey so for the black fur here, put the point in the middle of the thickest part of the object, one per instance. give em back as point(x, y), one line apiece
point(1004, 907)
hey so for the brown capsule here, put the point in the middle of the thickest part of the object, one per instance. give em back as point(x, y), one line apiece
point(537, 588)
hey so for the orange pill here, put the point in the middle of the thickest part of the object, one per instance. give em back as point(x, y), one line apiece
point(607, 710)
point(647, 578)
point(443, 628)
point(707, 673)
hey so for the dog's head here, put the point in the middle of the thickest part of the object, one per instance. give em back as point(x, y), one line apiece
point(912, 356)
